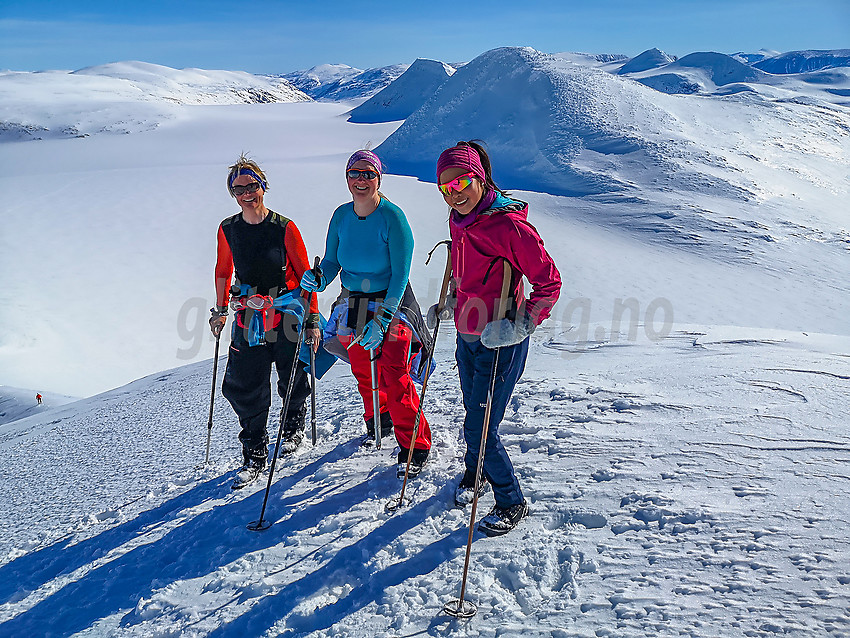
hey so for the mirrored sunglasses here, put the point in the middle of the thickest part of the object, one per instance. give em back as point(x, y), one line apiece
point(253, 187)
point(353, 173)
point(457, 184)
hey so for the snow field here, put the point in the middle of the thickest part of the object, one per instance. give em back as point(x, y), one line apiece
point(693, 486)
point(686, 469)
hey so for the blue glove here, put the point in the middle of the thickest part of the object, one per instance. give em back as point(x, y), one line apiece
point(373, 333)
point(309, 283)
point(373, 336)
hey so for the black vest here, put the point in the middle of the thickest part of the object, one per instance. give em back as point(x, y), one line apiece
point(259, 252)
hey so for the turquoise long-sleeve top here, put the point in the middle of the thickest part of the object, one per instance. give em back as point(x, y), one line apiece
point(370, 253)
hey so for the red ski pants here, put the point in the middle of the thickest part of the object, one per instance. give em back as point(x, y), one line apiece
point(397, 393)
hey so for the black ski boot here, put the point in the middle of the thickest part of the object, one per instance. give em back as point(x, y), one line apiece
point(417, 463)
point(387, 429)
point(248, 473)
point(293, 432)
point(465, 491)
point(502, 520)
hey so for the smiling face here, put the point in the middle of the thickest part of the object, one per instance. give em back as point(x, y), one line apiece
point(466, 200)
point(251, 203)
point(363, 190)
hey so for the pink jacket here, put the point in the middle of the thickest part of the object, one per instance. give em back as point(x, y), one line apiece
point(501, 231)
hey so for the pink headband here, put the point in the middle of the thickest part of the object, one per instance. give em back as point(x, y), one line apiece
point(462, 156)
point(369, 156)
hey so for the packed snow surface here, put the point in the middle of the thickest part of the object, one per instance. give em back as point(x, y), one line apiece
point(691, 486)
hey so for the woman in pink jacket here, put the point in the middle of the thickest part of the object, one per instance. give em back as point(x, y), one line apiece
point(489, 229)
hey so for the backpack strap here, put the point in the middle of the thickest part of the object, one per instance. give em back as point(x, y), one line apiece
point(281, 222)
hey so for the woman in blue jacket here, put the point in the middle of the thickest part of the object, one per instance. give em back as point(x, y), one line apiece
point(370, 246)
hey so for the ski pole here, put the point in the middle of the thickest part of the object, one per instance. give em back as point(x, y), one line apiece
point(212, 397)
point(376, 397)
point(392, 505)
point(459, 607)
point(312, 393)
point(317, 271)
point(260, 524)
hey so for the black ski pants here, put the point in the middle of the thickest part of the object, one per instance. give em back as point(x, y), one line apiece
point(247, 385)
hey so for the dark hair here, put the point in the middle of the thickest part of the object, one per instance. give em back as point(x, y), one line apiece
point(478, 145)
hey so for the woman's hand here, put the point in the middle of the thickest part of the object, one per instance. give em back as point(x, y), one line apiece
point(217, 325)
point(314, 338)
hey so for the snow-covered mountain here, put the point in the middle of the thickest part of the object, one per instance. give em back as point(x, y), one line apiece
point(311, 80)
point(337, 83)
point(679, 430)
point(563, 128)
point(804, 61)
point(405, 94)
point(724, 175)
point(649, 59)
point(123, 97)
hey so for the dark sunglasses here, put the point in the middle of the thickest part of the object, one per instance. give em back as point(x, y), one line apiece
point(253, 187)
point(353, 173)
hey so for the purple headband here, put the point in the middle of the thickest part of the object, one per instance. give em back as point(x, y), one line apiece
point(462, 156)
point(247, 171)
point(369, 156)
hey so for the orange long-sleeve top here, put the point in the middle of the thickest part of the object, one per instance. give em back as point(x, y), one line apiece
point(256, 253)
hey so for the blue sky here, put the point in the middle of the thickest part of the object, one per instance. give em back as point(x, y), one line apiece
point(264, 36)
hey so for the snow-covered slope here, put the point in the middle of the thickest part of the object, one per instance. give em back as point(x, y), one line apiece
point(649, 59)
point(804, 61)
point(555, 126)
point(17, 403)
point(719, 69)
point(751, 58)
point(406, 94)
point(339, 83)
point(123, 97)
point(311, 80)
point(692, 486)
point(534, 111)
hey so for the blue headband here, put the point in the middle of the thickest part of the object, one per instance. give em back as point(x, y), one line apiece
point(247, 171)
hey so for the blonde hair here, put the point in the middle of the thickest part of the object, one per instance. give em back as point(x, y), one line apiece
point(246, 164)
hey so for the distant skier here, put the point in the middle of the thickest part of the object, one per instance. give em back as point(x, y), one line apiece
point(370, 245)
point(38, 398)
point(269, 257)
point(488, 228)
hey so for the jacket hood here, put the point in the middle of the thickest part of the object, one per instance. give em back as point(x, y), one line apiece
point(504, 204)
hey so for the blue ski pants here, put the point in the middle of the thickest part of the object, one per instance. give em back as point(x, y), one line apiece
point(474, 364)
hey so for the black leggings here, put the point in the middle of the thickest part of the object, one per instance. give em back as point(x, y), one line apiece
point(247, 385)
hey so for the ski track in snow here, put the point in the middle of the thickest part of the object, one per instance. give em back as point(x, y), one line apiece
point(709, 502)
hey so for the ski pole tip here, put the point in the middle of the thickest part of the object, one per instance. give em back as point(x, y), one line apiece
point(259, 526)
point(460, 608)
